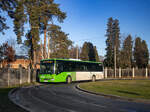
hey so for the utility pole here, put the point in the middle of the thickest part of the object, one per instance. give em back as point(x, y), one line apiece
point(115, 59)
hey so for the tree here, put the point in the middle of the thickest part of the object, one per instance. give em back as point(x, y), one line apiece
point(91, 52)
point(116, 42)
point(141, 54)
point(29, 43)
point(96, 54)
point(84, 52)
point(109, 57)
point(88, 52)
point(19, 19)
point(7, 52)
point(6, 6)
point(74, 52)
point(38, 13)
point(145, 54)
point(126, 53)
point(137, 52)
point(47, 12)
point(112, 43)
point(12, 42)
point(1, 53)
point(59, 42)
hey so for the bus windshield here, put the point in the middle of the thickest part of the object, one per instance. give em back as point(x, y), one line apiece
point(47, 67)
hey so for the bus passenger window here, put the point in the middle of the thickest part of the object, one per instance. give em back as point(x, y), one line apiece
point(59, 68)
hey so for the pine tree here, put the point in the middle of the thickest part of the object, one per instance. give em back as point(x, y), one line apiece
point(84, 52)
point(141, 54)
point(19, 19)
point(88, 52)
point(28, 42)
point(145, 54)
point(6, 6)
point(109, 57)
point(38, 13)
point(59, 42)
point(112, 43)
point(126, 53)
point(91, 52)
point(116, 41)
point(47, 12)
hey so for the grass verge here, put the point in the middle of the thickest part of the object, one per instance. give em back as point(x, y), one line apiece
point(5, 104)
point(137, 89)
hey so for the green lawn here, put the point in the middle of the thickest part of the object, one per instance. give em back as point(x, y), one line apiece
point(139, 89)
point(5, 104)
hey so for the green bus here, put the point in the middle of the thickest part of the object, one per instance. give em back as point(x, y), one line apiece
point(68, 70)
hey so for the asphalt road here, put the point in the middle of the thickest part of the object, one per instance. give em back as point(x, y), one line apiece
point(66, 98)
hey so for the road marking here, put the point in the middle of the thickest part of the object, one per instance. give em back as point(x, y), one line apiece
point(38, 99)
point(83, 102)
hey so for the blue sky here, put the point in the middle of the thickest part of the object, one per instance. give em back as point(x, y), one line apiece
point(86, 20)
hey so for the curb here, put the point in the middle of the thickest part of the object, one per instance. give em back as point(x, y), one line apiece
point(12, 96)
point(113, 96)
point(13, 99)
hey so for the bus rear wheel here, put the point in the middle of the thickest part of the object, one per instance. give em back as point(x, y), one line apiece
point(69, 80)
point(93, 78)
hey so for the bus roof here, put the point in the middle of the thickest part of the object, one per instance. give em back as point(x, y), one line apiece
point(73, 60)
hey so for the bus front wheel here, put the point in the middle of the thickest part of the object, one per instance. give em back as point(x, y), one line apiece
point(69, 80)
point(93, 78)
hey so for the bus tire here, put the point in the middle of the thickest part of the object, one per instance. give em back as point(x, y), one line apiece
point(93, 78)
point(68, 80)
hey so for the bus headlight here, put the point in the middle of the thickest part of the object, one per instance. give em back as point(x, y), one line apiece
point(42, 77)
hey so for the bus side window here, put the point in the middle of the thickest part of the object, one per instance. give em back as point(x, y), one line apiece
point(99, 67)
point(90, 67)
point(59, 68)
point(82, 68)
point(70, 66)
point(73, 66)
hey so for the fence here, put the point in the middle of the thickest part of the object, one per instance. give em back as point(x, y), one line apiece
point(127, 73)
point(13, 77)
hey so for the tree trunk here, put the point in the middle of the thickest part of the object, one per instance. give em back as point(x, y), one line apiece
point(48, 47)
point(34, 53)
point(44, 51)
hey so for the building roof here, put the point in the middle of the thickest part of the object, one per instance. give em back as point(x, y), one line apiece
point(21, 57)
